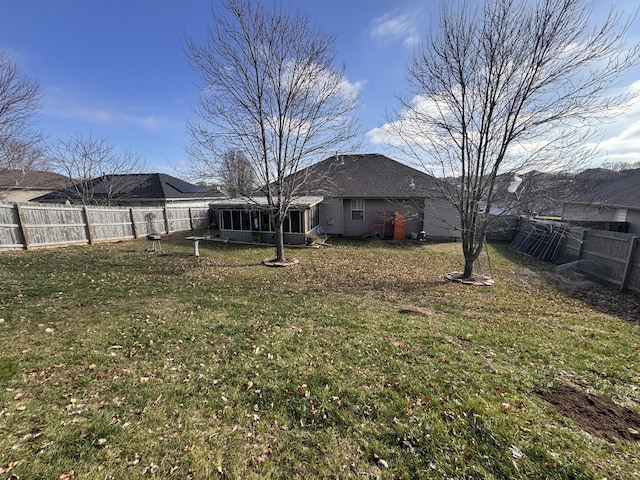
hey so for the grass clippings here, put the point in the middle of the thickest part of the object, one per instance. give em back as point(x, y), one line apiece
point(360, 362)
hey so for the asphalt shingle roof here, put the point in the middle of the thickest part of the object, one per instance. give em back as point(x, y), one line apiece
point(608, 187)
point(143, 186)
point(368, 176)
point(32, 179)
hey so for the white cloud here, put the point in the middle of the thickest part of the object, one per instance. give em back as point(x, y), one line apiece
point(151, 122)
point(626, 143)
point(94, 115)
point(619, 141)
point(77, 107)
point(408, 123)
point(383, 136)
point(394, 26)
point(351, 89)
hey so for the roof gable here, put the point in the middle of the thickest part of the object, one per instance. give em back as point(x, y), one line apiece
point(367, 176)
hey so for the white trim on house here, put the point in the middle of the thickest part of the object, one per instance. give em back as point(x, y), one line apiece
point(357, 209)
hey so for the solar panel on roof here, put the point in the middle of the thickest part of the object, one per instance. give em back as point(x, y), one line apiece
point(185, 187)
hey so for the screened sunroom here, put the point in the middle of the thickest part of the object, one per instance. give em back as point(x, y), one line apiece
point(248, 220)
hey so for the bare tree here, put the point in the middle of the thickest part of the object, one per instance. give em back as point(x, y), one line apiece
point(506, 88)
point(270, 90)
point(619, 166)
point(94, 167)
point(236, 174)
point(20, 99)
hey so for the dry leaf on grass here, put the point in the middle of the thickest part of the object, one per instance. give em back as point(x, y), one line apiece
point(9, 466)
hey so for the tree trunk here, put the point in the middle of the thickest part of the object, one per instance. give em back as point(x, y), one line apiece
point(471, 248)
point(279, 243)
point(468, 267)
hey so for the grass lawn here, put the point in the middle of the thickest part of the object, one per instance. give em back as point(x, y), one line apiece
point(359, 362)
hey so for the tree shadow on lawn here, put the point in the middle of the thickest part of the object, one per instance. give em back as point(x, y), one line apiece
point(604, 298)
point(600, 296)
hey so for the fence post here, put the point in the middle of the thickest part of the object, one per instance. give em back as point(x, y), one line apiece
point(134, 227)
point(167, 227)
point(87, 220)
point(628, 264)
point(23, 227)
point(581, 246)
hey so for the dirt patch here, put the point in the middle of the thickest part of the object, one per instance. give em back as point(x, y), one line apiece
point(287, 262)
point(596, 415)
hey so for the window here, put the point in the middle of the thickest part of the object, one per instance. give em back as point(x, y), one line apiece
point(357, 209)
point(235, 220)
point(245, 221)
point(314, 217)
point(294, 220)
point(226, 220)
point(265, 222)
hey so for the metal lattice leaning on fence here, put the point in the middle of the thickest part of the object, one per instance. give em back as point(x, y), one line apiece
point(540, 239)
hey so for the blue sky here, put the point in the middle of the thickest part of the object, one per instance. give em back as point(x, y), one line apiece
point(116, 68)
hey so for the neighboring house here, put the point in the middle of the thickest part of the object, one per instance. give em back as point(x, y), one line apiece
point(606, 196)
point(25, 185)
point(373, 195)
point(349, 195)
point(134, 190)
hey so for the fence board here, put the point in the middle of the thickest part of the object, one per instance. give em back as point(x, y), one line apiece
point(571, 247)
point(54, 225)
point(608, 249)
point(10, 233)
point(48, 225)
point(179, 219)
point(200, 218)
point(633, 281)
point(110, 223)
point(149, 220)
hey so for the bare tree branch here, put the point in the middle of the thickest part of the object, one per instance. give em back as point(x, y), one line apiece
point(510, 87)
point(270, 90)
point(20, 99)
point(83, 159)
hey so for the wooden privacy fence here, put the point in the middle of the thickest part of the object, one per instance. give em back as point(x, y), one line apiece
point(37, 225)
point(616, 253)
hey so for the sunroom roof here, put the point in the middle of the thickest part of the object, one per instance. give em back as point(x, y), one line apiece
point(303, 202)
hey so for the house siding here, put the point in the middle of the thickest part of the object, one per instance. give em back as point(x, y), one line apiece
point(331, 216)
point(603, 213)
point(633, 220)
point(592, 213)
point(441, 219)
point(340, 211)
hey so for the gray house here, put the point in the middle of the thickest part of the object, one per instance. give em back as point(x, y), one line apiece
point(373, 195)
point(606, 197)
point(347, 195)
